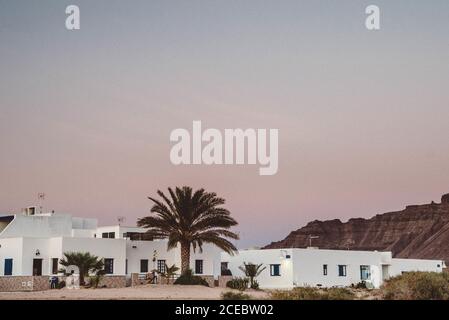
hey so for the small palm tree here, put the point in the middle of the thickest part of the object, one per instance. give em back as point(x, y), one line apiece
point(190, 219)
point(252, 271)
point(170, 272)
point(85, 262)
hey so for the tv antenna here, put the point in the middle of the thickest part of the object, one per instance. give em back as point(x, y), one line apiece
point(41, 198)
point(120, 220)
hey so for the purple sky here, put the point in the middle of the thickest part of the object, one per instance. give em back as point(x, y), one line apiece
point(85, 116)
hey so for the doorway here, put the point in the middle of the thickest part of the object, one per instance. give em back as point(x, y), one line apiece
point(37, 267)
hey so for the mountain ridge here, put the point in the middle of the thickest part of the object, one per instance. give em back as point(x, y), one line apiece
point(418, 231)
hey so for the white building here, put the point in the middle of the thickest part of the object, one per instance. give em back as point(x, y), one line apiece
point(289, 268)
point(32, 244)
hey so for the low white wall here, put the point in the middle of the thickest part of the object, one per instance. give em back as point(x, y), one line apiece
point(398, 266)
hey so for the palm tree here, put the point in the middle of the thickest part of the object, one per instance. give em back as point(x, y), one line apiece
point(85, 262)
point(170, 272)
point(252, 271)
point(190, 219)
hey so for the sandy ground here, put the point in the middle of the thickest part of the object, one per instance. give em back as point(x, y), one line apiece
point(136, 293)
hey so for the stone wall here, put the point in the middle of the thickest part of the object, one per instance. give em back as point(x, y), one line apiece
point(24, 283)
point(210, 280)
point(41, 283)
point(222, 280)
point(113, 282)
point(135, 281)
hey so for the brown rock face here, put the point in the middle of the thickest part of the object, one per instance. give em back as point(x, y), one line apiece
point(419, 231)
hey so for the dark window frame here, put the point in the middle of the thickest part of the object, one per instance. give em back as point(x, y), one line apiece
point(108, 235)
point(325, 269)
point(10, 272)
point(275, 270)
point(199, 266)
point(368, 272)
point(109, 265)
point(161, 265)
point(342, 270)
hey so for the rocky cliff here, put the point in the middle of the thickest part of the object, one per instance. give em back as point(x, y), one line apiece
point(418, 231)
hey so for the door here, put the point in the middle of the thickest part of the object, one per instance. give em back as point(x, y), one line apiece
point(385, 272)
point(8, 267)
point(37, 267)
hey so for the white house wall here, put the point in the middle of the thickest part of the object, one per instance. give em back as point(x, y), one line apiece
point(211, 259)
point(398, 266)
point(11, 248)
point(103, 248)
point(265, 257)
point(138, 250)
point(39, 226)
point(304, 267)
point(308, 267)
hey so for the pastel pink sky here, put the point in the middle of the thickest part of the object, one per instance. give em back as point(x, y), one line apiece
point(86, 116)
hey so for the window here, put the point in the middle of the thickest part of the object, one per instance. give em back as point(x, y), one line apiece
point(225, 269)
point(342, 270)
point(199, 266)
point(109, 266)
point(126, 266)
point(8, 267)
point(54, 266)
point(365, 272)
point(161, 266)
point(275, 270)
point(108, 235)
point(144, 266)
point(324, 269)
point(224, 266)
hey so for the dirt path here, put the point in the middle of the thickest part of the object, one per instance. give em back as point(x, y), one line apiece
point(139, 293)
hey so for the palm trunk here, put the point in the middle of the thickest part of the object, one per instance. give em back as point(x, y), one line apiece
point(185, 256)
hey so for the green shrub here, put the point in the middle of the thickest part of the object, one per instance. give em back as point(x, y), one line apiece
point(338, 294)
point(238, 284)
point(188, 278)
point(360, 285)
point(229, 295)
point(255, 284)
point(310, 293)
point(61, 284)
point(96, 279)
point(417, 286)
point(226, 272)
